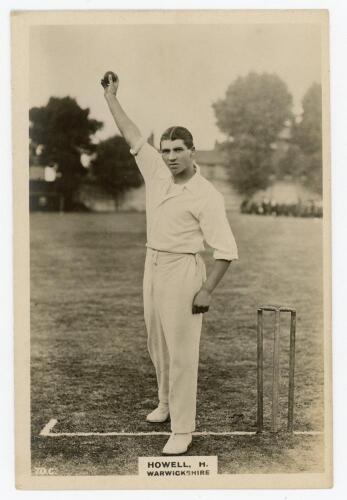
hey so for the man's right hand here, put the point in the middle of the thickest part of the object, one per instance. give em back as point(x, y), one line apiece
point(127, 127)
point(110, 86)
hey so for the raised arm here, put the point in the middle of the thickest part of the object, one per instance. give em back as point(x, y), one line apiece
point(127, 127)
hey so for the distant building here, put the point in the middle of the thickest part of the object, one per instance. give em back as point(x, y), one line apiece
point(95, 198)
point(212, 163)
point(213, 166)
point(43, 191)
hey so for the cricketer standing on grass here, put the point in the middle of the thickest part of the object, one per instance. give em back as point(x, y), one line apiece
point(183, 209)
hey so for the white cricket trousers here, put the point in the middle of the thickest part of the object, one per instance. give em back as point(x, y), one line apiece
point(170, 283)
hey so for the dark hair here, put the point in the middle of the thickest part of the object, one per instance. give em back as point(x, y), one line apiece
point(173, 133)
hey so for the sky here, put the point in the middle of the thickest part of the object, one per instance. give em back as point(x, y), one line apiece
point(169, 74)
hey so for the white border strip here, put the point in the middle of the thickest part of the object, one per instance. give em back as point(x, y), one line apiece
point(46, 432)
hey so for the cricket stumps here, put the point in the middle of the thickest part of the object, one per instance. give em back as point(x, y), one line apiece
point(277, 311)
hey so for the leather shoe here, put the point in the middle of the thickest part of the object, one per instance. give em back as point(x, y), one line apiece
point(177, 444)
point(160, 414)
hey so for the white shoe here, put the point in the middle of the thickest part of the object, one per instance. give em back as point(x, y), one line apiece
point(160, 414)
point(177, 444)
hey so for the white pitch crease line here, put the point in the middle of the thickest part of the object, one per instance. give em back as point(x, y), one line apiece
point(309, 433)
point(46, 431)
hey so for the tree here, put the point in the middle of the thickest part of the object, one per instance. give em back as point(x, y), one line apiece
point(308, 132)
point(64, 130)
point(251, 115)
point(251, 167)
point(114, 166)
point(308, 136)
point(293, 163)
point(304, 156)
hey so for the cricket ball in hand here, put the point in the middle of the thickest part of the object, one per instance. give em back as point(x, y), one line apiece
point(108, 74)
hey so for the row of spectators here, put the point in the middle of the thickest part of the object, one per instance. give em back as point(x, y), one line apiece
point(309, 208)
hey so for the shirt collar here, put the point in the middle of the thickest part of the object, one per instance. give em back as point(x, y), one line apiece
point(193, 183)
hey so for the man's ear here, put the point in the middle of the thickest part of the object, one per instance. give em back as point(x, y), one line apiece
point(192, 149)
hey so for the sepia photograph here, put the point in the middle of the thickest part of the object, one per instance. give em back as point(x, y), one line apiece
point(172, 249)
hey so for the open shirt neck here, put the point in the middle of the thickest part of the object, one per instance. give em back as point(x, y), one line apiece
point(191, 184)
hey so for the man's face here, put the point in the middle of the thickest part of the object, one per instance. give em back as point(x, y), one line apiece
point(176, 155)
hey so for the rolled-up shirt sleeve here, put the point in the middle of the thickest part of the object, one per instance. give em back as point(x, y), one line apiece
point(216, 229)
point(148, 160)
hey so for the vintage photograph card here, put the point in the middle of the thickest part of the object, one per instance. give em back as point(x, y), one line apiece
point(172, 267)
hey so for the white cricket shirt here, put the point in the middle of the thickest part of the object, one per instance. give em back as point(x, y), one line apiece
point(180, 217)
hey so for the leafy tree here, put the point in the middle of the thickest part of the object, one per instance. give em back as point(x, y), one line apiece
point(304, 156)
point(255, 105)
point(114, 166)
point(314, 172)
point(308, 136)
point(33, 160)
point(251, 165)
point(308, 132)
point(251, 115)
point(293, 163)
point(64, 131)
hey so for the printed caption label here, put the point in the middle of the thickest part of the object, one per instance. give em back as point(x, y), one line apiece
point(178, 466)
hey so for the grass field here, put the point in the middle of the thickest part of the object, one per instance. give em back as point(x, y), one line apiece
point(90, 367)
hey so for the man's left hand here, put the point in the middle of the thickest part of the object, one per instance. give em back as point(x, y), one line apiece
point(201, 301)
